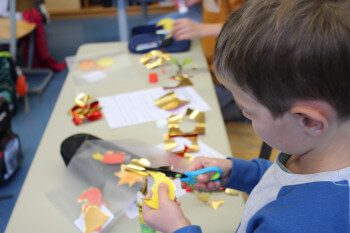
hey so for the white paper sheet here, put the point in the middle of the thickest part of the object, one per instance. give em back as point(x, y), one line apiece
point(138, 107)
point(204, 150)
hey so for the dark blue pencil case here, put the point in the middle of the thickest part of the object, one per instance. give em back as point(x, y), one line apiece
point(145, 38)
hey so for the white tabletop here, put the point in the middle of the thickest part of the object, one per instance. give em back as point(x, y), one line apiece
point(35, 213)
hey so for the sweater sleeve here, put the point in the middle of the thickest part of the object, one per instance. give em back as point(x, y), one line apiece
point(189, 229)
point(246, 174)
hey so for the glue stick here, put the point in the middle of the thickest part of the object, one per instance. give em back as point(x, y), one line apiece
point(140, 195)
point(182, 6)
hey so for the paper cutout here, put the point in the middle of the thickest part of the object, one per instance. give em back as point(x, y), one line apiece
point(169, 101)
point(158, 178)
point(110, 157)
point(167, 24)
point(137, 166)
point(105, 62)
point(216, 204)
point(232, 192)
point(91, 196)
point(203, 196)
point(154, 59)
point(170, 143)
point(88, 64)
point(80, 222)
point(196, 115)
point(95, 219)
point(84, 111)
point(183, 81)
point(127, 177)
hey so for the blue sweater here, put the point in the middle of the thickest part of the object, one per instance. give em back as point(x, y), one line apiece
point(283, 202)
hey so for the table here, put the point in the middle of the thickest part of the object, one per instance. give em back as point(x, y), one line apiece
point(35, 213)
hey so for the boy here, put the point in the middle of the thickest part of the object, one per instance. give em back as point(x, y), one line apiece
point(287, 64)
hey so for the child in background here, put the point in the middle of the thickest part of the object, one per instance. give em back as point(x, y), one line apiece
point(287, 64)
point(215, 14)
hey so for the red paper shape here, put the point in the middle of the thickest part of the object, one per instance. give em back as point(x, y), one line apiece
point(113, 158)
point(92, 196)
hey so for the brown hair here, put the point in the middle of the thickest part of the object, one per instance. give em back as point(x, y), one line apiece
point(281, 51)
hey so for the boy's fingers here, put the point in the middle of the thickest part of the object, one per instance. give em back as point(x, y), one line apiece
point(163, 191)
point(148, 195)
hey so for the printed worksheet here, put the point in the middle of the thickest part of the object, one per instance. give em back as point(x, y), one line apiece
point(138, 107)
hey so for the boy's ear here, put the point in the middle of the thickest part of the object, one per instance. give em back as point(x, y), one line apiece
point(311, 118)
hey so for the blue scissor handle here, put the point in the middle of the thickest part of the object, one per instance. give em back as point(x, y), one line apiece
point(191, 178)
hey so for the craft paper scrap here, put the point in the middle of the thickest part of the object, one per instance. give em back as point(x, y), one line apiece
point(80, 222)
point(204, 150)
point(95, 76)
point(138, 107)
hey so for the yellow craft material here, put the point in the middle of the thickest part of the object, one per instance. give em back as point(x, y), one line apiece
point(168, 24)
point(94, 218)
point(158, 178)
point(105, 62)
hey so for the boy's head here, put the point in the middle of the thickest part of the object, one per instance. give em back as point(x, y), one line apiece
point(282, 51)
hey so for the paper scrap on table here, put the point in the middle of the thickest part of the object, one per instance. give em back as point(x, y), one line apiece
point(133, 212)
point(80, 222)
point(138, 107)
point(95, 76)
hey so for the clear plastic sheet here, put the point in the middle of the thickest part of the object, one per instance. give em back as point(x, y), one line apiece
point(84, 172)
point(96, 74)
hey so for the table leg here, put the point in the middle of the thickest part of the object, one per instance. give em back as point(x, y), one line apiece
point(122, 21)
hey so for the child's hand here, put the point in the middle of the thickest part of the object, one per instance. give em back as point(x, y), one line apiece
point(186, 29)
point(204, 182)
point(169, 217)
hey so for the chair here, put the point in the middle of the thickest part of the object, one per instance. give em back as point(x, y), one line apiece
point(11, 32)
point(265, 151)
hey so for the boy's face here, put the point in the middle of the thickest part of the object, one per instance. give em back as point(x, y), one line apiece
point(281, 133)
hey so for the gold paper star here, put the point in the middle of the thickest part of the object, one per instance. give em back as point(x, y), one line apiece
point(127, 177)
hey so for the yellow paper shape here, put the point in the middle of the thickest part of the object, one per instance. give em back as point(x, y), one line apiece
point(170, 143)
point(137, 166)
point(202, 196)
point(154, 59)
point(183, 81)
point(196, 115)
point(127, 177)
point(216, 204)
point(94, 218)
point(105, 62)
point(232, 192)
point(167, 24)
point(158, 178)
point(82, 99)
point(97, 156)
point(169, 101)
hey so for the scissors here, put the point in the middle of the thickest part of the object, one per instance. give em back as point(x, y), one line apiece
point(190, 177)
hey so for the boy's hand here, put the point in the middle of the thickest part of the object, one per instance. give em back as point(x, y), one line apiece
point(204, 182)
point(186, 29)
point(169, 217)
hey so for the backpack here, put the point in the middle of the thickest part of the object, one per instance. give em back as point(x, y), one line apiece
point(8, 80)
point(11, 154)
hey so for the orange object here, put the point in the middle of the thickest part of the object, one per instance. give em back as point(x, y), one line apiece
point(21, 85)
point(153, 77)
point(113, 158)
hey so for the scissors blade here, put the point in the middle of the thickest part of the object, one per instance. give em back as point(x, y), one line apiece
point(168, 173)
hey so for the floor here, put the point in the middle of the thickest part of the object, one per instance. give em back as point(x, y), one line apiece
point(64, 38)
